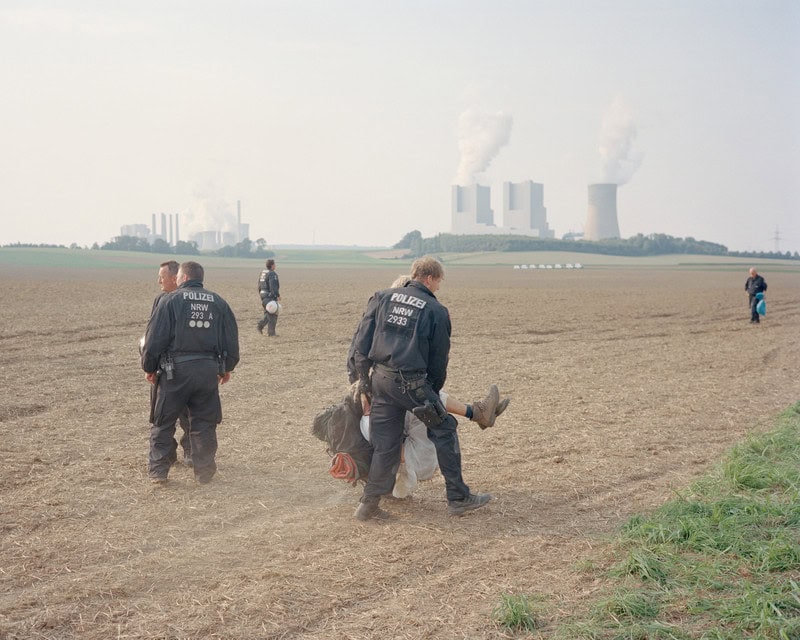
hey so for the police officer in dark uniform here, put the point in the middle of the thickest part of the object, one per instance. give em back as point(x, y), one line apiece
point(168, 281)
point(193, 338)
point(269, 289)
point(404, 339)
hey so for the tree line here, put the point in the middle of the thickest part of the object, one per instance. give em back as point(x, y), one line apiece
point(244, 249)
point(639, 245)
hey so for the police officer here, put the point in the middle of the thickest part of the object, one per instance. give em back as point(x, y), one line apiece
point(404, 339)
point(269, 289)
point(168, 281)
point(193, 338)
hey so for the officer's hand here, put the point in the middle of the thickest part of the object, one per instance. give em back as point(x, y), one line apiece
point(225, 378)
point(364, 404)
point(150, 377)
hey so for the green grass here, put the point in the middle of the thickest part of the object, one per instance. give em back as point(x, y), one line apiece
point(516, 612)
point(719, 562)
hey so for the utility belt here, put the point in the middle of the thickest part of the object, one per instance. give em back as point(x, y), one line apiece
point(169, 361)
point(408, 374)
point(409, 379)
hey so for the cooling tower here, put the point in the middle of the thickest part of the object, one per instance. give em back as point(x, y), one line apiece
point(601, 221)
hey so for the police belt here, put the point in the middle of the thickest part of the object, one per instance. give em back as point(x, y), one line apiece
point(406, 374)
point(193, 356)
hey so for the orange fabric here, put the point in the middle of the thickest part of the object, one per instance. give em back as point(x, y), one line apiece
point(343, 467)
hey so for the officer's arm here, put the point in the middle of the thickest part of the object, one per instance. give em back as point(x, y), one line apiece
point(275, 285)
point(362, 341)
point(352, 373)
point(439, 352)
point(156, 337)
point(230, 340)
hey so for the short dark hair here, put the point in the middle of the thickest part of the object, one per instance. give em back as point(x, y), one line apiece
point(193, 270)
point(270, 264)
point(172, 266)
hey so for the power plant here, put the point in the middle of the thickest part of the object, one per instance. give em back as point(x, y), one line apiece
point(211, 239)
point(524, 212)
point(601, 220)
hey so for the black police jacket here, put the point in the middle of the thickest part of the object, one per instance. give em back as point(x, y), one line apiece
point(406, 329)
point(191, 321)
point(269, 287)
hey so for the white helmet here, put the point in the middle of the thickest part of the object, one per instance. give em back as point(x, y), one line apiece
point(272, 307)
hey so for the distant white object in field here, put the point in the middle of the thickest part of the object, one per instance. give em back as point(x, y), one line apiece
point(558, 266)
point(516, 266)
point(549, 266)
point(569, 265)
point(578, 265)
point(541, 266)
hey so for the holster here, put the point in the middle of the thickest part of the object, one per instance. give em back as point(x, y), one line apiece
point(432, 414)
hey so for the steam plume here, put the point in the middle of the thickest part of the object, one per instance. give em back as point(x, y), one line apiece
point(208, 211)
point(617, 134)
point(480, 137)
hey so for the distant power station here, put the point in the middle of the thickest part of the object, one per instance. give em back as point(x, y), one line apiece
point(206, 240)
point(524, 212)
point(601, 221)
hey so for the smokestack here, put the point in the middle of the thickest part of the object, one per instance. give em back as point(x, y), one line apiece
point(170, 229)
point(177, 235)
point(239, 237)
point(153, 228)
point(163, 226)
point(601, 221)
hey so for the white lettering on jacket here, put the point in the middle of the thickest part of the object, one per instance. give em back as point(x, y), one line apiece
point(196, 295)
point(407, 299)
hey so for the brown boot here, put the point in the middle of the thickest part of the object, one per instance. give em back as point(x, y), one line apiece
point(483, 411)
point(501, 406)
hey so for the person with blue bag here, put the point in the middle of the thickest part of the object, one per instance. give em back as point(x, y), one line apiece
point(756, 287)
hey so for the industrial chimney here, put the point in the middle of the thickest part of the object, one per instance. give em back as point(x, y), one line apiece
point(601, 221)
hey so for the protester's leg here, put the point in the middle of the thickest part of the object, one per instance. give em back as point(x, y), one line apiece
point(754, 309)
point(455, 406)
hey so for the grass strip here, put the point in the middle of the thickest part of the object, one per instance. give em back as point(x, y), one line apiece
point(721, 561)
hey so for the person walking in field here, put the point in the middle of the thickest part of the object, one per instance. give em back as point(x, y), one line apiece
point(402, 348)
point(754, 285)
point(194, 340)
point(269, 290)
point(168, 281)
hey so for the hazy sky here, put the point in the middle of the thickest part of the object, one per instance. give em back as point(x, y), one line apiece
point(347, 122)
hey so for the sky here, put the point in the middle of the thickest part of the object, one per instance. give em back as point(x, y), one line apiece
point(347, 121)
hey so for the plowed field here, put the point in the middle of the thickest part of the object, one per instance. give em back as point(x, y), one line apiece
point(626, 385)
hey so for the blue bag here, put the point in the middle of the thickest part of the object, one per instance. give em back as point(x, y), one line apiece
point(761, 307)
